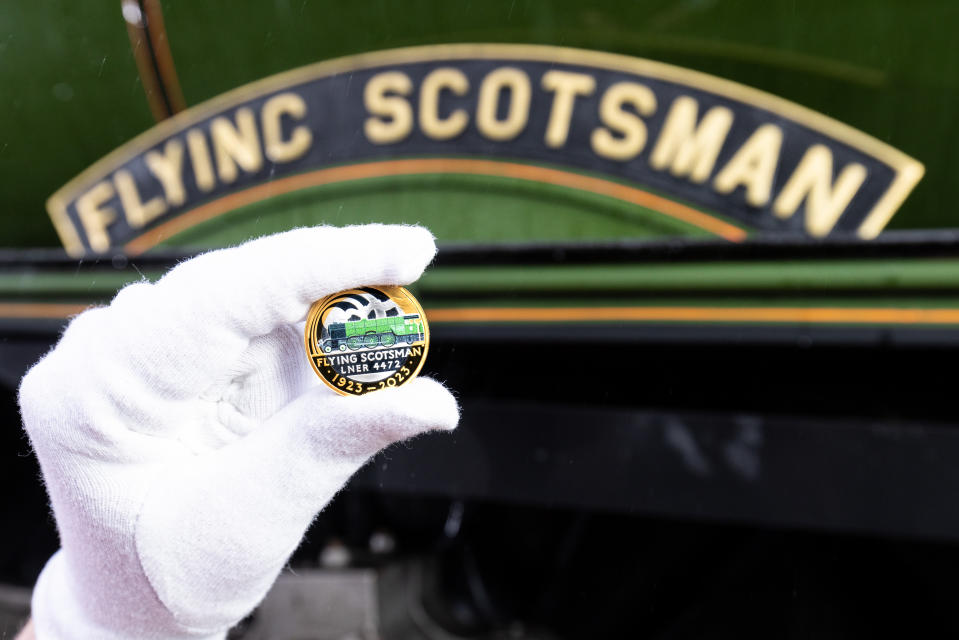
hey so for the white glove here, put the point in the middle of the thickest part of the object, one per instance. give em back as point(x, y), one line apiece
point(187, 445)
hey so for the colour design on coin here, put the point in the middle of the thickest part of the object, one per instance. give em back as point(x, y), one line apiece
point(366, 339)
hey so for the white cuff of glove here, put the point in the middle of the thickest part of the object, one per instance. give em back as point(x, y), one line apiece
point(58, 615)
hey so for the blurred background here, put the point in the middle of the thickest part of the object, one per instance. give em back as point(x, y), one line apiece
point(684, 414)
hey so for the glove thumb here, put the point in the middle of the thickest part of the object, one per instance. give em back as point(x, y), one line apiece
point(251, 501)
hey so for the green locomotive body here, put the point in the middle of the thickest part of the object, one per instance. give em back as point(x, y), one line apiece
point(376, 332)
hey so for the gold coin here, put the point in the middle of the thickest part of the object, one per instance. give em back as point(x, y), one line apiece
point(367, 339)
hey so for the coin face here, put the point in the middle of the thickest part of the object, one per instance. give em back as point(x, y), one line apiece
point(367, 339)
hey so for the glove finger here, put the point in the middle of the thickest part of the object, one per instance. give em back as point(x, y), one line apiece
point(307, 450)
point(270, 374)
point(358, 427)
point(185, 330)
point(250, 502)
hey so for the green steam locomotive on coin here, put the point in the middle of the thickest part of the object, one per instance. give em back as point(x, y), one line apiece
point(377, 332)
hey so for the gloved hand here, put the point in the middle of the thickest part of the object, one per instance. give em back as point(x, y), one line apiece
point(186, 444)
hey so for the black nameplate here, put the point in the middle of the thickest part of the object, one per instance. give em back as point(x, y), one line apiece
point(725, 157)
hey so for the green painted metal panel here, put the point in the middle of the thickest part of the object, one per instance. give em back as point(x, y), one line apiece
point(70, 94)
point(456, 208)
point(895, 284)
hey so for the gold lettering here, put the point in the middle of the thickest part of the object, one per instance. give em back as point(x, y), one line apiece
point(565, 86)
point(812, 182)
point(137, 212)
point(200, 159)
point(271, 118)
point(753, 166)
point(631, 129)
point(95, 217)
point(395, 120)
point(452, 125)
point(517, 114)
point(168, 169)
point(687, 149)
point(236, 145)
